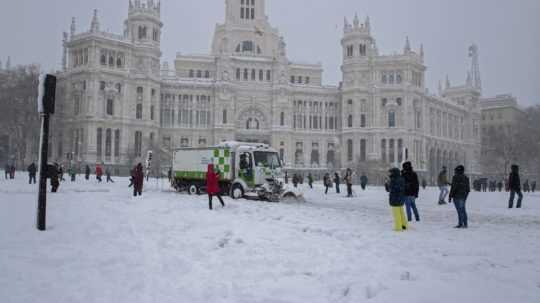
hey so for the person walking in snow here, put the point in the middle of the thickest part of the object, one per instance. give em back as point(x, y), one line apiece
point(395, 186)
point(500, 186)
point(348, 181)
point(337, 182)
point(442, 182)
point(212, 186)
point(99, 173)
point(12, 172)
point(138, 180)
point(108, 174)
point(412, 187)
point(32, 171)
point(424, 183)
point(327, 182)
point(53, 172)
point(87, 172)
point(363, 181)
point(533, 186)
point(526, 186)
point(72, 171)
point(514, 184)
point(61, 173)
point(7, 171)
point(310, 180)
point(459, 192)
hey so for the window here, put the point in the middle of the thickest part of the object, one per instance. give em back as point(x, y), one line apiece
point(268, 75)
point(99, 138)
point(139, 110)
point(293, 79)
point(207, 74)
point(108, 142)
point(307, 80)
point(246, 74)
point(111, 61)
point(102, 85)
point(238, 72)
point(391, 119)
point(76, 105)
point(350, 51)
point(399, 101)
point(300, 79)
point(398, 78)
point(253, 75)
point(363, 145)
point(119, 62)
point(363, 120)
point(391, 151)
point(138, 144)
point(362, 49)
point(110, 107)
point(282, 119)
point(191, 73)
point(199, 74)
point(350, 150)
point(349, 101)
point(224, 118)
point(384, 79)
point(383, 150)
point(261, 75)
point(117, 143)
point(350, 121)
point(247, 46)
point(103, 59)
point(152, 108)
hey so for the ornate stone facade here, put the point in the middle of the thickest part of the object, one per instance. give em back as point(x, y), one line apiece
point(117, 102)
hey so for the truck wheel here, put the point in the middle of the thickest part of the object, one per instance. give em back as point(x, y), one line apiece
point(193, 189)
point(237, 192)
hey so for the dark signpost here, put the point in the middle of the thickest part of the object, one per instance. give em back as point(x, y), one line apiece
point(46, 100)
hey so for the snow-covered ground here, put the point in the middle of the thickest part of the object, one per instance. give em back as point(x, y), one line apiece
point(103, 245)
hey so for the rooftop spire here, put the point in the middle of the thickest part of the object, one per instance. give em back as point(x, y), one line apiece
point(367, 24)
point(422, 51)
point(356, 21)
point(407, 48)
point(73, 27)
point(94, 27)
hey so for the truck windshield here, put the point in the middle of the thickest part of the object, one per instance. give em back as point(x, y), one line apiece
point(267, 159)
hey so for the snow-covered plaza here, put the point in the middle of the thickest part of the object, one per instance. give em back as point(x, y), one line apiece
point(103, 245)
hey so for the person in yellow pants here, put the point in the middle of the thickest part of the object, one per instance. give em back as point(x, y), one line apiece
point(396, 189)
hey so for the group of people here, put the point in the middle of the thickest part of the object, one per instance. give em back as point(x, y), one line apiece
point(9, 171)
point(403, 188)
point(328, 182)
point(486, 185)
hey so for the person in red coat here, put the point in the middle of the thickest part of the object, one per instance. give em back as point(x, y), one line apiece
point(99, 172)
point(137, 179)
point(212, 186)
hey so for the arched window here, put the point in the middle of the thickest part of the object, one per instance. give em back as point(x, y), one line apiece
point(152, 109)
point(111, 61)
point(103, 59)
point(99, 139)
point(76, 104)
point(224, 118)
point(110, 107)
point(350, 121)
point(238, 72)
point(119, 88)
point(363, 145)
point(119, 62)
point(199, 74)
point(282, 119)
point(247, 46)
point(108, 142)
point(138, 144)
point(384, 79)
point(246, 74)
point(383, 150)
point(207, 74)
point(117, 143)
point(363, 120)
point(139, 112)
point(268, 75)
point(253, 75)
point(350, 150)
point(391, 119)
point(261, 75)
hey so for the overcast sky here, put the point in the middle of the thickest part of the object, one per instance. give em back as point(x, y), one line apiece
point(506, 31)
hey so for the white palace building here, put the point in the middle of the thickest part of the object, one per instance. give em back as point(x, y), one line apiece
point(117, 100)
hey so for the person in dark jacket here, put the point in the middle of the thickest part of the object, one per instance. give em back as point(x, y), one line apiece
point(533, 186)
point(424, 183)
point(87, 172)
point(295, 180)
point(412, 187)
point(169, 175)
point(138, 180)
point(212, 186)
point(499, 186)
point(32, 170)
point(7, 171)
point(337, 181)
point(108, 174)
point(327, 182)
point(72, 171)
point(396, 189)
point(514, 184)
point(363, 182)
point(53, 172)
point(348, 181)
point(459, 192)
point(61, 173)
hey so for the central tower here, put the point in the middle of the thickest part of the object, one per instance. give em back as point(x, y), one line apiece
point(244, 11)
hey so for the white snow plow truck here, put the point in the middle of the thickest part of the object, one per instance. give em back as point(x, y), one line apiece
point(245, 170)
